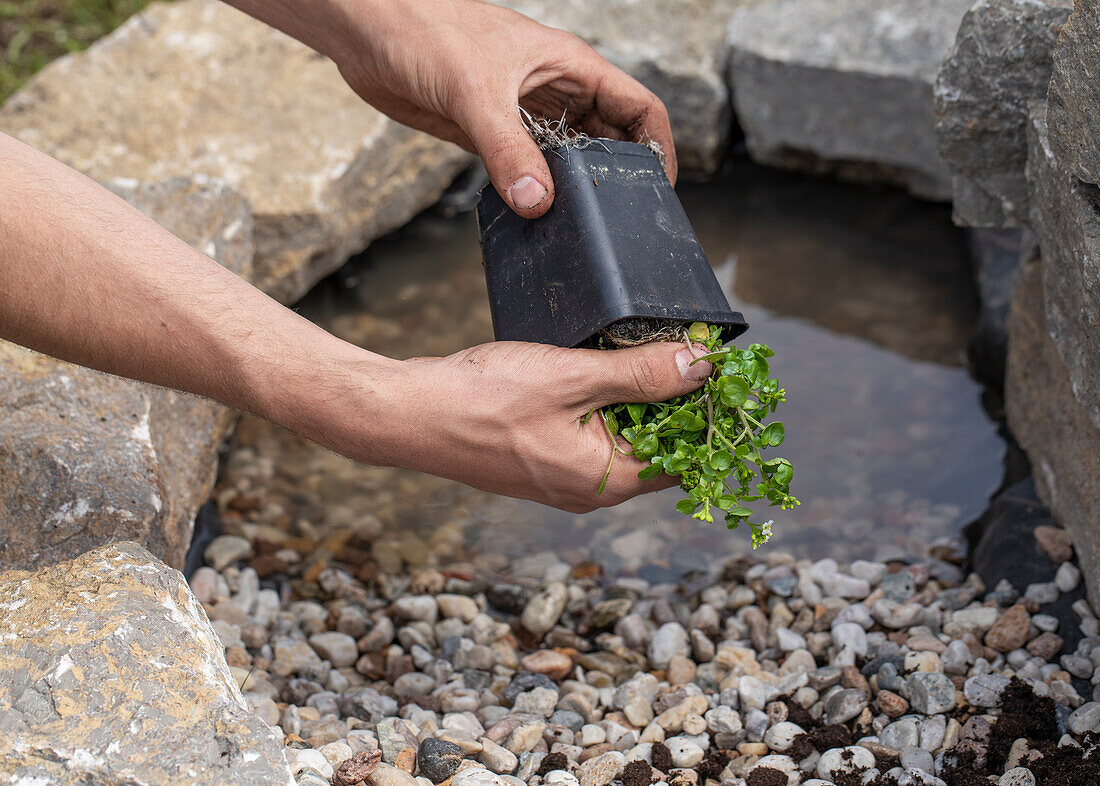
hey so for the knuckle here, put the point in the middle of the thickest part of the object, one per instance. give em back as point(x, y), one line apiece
point(647, 372)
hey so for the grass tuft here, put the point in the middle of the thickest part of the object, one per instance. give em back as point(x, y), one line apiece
point(34, 32)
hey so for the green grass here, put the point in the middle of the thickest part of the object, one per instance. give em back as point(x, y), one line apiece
point(34, 32)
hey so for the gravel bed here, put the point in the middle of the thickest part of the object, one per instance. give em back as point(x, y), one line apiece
point(398, 660)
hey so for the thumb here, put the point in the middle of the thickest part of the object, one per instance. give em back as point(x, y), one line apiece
point(515, 164)
point(649, 373)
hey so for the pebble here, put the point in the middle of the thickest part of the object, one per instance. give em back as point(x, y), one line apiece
point(723, 720)
point(544, 610)
point(844, 705)
point(782, 763)
point(601, 770)
point(1085, 718)
point(899, 587)
point(337, 648)
point(356, 768)
point(984, 690)
point(408, 666)
point(838, 762)
point(1046, 592)
point(438, 759)
point(538, 701)
point(1056, 542)
point(555, 665)
point(891, 704)
point(852, 636)
point(670, 640)
point(1017, 776)
point(956, 658)
point(225, 550)
point(904, 733)
point(917, 758)
point(781, 736)
point(931, 693)
point(685, 752)
point(497, 758)
point(1010, 631)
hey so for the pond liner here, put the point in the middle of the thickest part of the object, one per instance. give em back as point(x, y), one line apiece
point(616, 245)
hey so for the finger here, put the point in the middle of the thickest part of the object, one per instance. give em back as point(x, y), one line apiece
point(649, 373)
point(515, 164)
point(624, 102)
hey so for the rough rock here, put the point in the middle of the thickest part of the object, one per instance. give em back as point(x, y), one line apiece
point(111, 673)
point(324, 173)
point(88, 458)
point(1001, 61)
point(675, 48)
point(1065, 221)
point(1074, 94)
point(847, 88)
point(1049, 423)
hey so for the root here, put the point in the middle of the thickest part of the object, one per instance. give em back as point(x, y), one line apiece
point(554, 134)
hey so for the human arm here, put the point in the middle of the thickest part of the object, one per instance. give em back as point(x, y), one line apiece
point(458, 68)
point(87, 278)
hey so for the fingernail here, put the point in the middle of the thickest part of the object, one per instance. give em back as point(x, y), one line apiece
point(692, 371)
point(526, 193)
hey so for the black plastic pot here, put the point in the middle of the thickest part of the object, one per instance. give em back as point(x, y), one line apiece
point(616, 244)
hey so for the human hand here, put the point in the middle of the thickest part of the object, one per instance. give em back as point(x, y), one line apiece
point(509, 418)
point(458, 69)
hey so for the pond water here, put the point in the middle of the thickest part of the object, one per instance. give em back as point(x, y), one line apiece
point(867, 298)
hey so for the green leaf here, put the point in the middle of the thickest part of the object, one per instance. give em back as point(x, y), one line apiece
point(710, 439)
point(721, 461)
point(773, 434)
point(650, 472)
point(686, 506)
point(686, 420)
point(734, 391)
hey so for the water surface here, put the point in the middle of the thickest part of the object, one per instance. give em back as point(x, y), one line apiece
point(866, 296)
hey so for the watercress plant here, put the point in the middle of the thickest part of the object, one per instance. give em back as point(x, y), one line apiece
point(713, 439)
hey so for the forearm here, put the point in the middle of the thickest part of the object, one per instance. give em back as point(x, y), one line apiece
point(87, 278)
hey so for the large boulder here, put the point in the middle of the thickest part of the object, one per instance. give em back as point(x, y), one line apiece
point(1065, 221)
point(675, 47)
point(844, 85)
point(196, 87)
point(1057, 432)
point(1074, 98)
point(111, 673)
point(89, 458)
point(1000, 63)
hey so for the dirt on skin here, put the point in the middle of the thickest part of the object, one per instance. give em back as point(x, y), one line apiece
point(766, 776)
point(637, 773)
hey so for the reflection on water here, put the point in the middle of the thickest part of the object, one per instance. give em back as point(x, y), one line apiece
point(866, 298)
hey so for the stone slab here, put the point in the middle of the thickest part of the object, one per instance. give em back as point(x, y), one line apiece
point(1074, 96)
point(198, 88)
point(89, 458)
point(1065, 217)
point(999, 64)
point(1056, 431)
point(844, 87)
point(111, 673)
